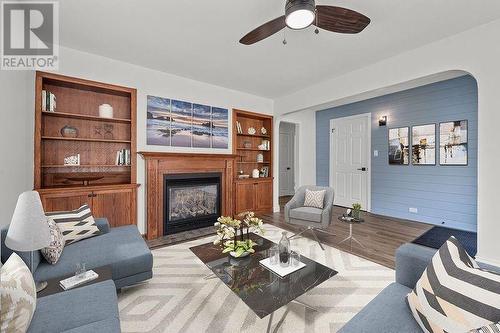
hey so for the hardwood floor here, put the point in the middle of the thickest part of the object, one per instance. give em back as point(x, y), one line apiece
point(380, 235)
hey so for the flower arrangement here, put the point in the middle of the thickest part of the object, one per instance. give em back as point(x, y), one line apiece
point(234, 235)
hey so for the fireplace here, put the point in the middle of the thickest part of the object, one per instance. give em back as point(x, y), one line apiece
point(191, 201)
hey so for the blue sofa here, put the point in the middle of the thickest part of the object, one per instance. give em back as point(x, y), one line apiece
point(389, 311)
point(92, 308)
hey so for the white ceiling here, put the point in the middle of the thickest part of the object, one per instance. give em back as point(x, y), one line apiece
point(198, 39)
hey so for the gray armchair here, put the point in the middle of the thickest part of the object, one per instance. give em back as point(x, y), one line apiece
point(313, 219)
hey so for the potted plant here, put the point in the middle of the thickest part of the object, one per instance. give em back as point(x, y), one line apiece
point(234, 235)
point(356, 211)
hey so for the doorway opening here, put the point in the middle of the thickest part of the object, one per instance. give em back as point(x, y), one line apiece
point(287, 160)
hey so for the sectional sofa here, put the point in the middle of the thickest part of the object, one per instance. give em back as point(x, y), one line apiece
point(389, 311)
point(91, 308)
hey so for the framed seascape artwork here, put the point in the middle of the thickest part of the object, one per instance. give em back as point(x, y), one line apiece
point(453, 143)
point(175, 123)
point(399, 146)
point(423, 144)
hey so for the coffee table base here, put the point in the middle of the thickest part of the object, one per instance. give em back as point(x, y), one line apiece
point(270, 322)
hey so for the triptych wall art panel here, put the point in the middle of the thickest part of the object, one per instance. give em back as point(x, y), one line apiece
point(452, 144)
point(398, 146)
point(423, 145)
point(176, 123)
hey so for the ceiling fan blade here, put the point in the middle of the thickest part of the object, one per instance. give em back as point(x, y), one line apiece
point(341, 20)
point(264, 31)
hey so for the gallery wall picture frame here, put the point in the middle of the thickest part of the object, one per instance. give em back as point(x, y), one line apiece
point(454, 143)
point(423, 147)
point(399, 148)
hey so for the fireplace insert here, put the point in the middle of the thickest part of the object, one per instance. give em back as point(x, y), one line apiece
point(191, 201)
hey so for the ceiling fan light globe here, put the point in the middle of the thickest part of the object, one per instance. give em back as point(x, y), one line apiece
point(299, 13)
point(300, 19)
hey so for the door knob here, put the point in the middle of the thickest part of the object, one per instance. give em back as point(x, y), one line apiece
point(288, 168)
point(362, 169)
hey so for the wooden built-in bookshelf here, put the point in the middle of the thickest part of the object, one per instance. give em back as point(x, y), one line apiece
point(253, 193)
point(97, 142)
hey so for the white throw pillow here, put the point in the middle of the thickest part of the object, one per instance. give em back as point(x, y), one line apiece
point(53, 252)
point(75, 224)
point(314, 199)
point(18, 295)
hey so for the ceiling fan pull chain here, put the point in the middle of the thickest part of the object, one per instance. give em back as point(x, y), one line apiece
point(316, 31)
point(284, 37)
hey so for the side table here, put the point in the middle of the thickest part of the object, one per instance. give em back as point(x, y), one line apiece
point(351, 238)
point(53, 286)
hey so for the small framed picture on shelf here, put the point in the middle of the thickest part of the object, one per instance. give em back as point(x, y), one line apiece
point(264, 171)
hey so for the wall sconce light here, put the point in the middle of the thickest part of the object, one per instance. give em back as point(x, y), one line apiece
point(382, 121)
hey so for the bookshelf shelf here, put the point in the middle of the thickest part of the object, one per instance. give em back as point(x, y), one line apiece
point(84, 139)
point(85, 166)
point(246, 162)
point(254, 135)
point(253, 149)
point(85, 117)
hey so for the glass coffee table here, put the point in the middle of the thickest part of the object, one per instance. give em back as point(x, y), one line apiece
point(262, 290)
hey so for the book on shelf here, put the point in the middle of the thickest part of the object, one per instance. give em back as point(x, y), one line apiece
point(48, 101)
point(266, 144)
point(238, 127)
point(123, 157)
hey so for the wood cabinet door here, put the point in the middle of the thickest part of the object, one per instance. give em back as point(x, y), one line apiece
point(264, 196)
point(245, 197)
point(118, 206)
point(63, 201)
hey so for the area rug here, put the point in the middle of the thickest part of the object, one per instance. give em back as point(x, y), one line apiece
point(438, 235)
point(178, 299)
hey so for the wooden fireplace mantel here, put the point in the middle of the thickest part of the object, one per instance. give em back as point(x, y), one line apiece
point(159, 164)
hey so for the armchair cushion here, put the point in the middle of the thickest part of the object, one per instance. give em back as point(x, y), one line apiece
point(306, 213)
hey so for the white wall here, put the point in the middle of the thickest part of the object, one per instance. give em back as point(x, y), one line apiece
point(476, 51)
point(147, 82)
point(17, 90)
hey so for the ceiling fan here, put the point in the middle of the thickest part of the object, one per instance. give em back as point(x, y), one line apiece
point(300, 14)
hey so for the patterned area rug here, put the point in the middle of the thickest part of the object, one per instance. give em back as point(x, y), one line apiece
point(178, 299)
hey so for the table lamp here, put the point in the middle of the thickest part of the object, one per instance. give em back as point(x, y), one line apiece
point(29, 229)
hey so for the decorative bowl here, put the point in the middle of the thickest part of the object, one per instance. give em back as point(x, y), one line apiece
point(251, 131)
point(69, 131)
point(243, 255)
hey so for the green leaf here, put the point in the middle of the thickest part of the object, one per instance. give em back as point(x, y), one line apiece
point(239, 251)
point(227, 249)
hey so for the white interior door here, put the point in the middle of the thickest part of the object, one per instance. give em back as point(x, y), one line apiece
point(286, 164)
point(350, 160)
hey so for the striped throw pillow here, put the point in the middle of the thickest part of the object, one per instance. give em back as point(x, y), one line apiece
point(314, 199)
point(454, 294)
point(493, 328)
point(75, 225)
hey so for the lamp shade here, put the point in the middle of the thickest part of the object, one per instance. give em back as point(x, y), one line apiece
point(28, 230)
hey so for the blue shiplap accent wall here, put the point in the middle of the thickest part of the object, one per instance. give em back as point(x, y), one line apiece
point(440, 193)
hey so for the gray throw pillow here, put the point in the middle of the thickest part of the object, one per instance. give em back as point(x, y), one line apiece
point(314, 198)
point(53, 252)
